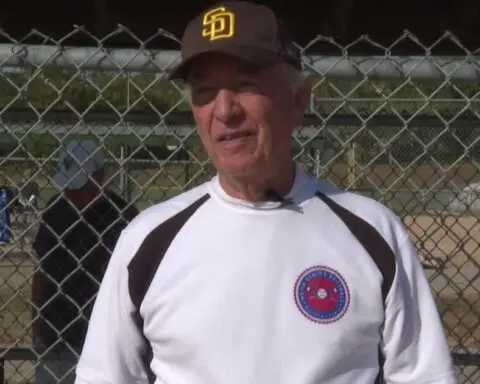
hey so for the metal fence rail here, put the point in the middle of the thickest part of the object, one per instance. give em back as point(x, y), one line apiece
point(404, 130)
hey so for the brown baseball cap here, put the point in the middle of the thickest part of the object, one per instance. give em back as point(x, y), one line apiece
point(245, 30)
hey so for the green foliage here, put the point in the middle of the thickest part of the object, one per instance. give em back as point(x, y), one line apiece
point(395, 96)
point(414, 145)
point(84, 91)
point(118, 93)
point(39, 92)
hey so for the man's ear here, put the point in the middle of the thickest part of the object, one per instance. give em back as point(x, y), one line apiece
point(302, 98)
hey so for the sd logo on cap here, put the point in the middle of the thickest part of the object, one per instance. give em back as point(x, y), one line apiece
point(218, 24)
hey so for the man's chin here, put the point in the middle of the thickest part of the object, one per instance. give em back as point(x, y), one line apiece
point(239, 169)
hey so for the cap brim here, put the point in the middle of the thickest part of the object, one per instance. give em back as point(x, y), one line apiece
point(258, 56)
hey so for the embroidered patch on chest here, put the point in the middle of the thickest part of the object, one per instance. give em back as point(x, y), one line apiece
point(322, 295)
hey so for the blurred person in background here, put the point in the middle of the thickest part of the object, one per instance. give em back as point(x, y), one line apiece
point(76, 237)
point(6, 206)
point(264, 274)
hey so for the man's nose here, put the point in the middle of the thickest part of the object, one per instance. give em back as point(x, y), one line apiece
point(225, 106)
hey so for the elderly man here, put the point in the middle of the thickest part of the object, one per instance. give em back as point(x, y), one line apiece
point(75, 240)
point(264, 274)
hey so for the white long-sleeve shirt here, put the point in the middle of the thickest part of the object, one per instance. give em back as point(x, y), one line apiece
point(207, 289)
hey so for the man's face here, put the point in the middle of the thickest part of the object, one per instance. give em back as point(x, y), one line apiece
point(89, 192)
point(245, 115)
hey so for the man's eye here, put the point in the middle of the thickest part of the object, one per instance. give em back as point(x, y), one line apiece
point(201, 90)
point(247, 86)
point(204, 92)
point(203, 95)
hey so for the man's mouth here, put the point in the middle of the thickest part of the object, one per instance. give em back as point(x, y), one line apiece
point(235, 135)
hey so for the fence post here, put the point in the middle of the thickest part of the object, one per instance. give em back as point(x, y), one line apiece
point(351, 175)
point(123, 186)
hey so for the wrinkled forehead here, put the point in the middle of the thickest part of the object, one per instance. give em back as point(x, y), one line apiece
point(219, 65)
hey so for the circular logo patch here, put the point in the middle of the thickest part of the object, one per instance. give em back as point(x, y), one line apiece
point(322, 295)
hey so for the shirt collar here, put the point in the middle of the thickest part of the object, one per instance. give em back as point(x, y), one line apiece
point(299, 192)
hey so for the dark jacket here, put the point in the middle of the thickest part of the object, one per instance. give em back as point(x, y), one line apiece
point(73, 254)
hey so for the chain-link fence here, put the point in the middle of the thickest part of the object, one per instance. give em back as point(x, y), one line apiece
point(404, 130)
